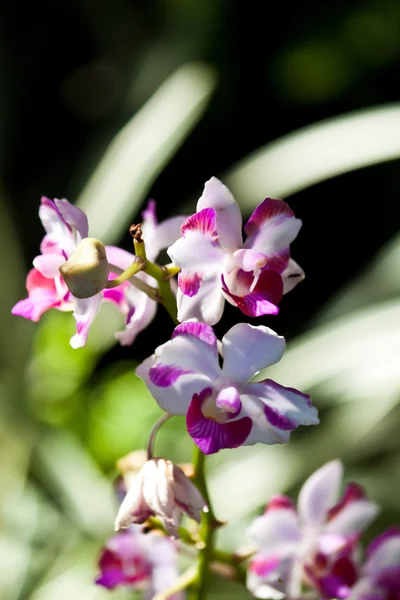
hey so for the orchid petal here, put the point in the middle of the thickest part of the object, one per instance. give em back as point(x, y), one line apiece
point(319, 493)
point(84, 313)
point(206, 305)
point(74, 216)
point(211, 436)
point(271, 227)
point(49, 264)
point(291, 276)
point(353, 518)
point(272, 577)
point(180, 368)
point(254, 301)
point(119, 257)
point(229, 219)
point(142, 311)
point(165, 234)
point(387, 554)
point(277, 530)
point(248, 349)
point(60, 237)
point(43, 295)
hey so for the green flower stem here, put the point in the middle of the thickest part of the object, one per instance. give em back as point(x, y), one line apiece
point(161, 275)
point(138, 283)
point(137, 265)
point(186, 579)
point(209, 525)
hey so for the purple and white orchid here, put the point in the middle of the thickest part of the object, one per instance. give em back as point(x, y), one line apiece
point(316, 545)
point(380, 575)
point(139, 561)
point(223, 408)
point(216, 265)
point(65, 226)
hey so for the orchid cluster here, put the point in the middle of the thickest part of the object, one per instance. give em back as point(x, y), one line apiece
point(212, 383)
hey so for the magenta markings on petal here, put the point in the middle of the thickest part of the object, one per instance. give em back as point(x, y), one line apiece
point(166, 375)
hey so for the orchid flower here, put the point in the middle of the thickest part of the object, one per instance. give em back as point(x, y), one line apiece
point(160, 489)
point(380, 575)
point(139, 561)
point(65, 226)
point(216, 265)
point(316, 545)
point(223, 408)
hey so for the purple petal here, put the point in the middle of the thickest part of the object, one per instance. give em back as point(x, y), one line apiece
point(262, 300)
point(200, 331)
point(60, 237)
point(389, 579)
point(229, 219)
point(279, 502)
point(211, 436)
point(319, 493)
point(203, 222)
point(74, 216)
point(166, 375)
point(271, 227)
point(352, 492)
point(271, 578)
point(391, 532)
point(84, 313)
point(248, 349)
point(43, 295)
point(141, 311)
point(189, 283)
point(386, 554)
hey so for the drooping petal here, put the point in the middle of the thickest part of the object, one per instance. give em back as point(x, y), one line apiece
point(211, 436)
point(248, 349)
point(353, 518)
point(272, 227)
point(229, 219)
point(291, 276)
point(43, 295)
point(277, 530)
point(187, 496)
point(49, 264)
point(319, 493)
point(74, 216)
point(141, 311)
point(84, 313)
point(254, 302)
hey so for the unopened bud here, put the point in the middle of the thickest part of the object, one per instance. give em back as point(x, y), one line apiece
point(86, 270)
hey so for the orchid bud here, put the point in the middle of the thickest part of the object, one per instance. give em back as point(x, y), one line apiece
point(86, 270)
point(160, 489)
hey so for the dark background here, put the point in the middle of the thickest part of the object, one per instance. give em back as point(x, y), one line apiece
point(74, 72)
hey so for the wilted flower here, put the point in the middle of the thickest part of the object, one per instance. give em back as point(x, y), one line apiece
point(317, 545)
point(223, 409)
point(139, 561)
point(66, 226)
point(380, 575)
point(160, 489)
point(216, 265)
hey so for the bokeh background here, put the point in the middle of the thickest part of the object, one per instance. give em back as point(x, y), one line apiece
point(110, 103)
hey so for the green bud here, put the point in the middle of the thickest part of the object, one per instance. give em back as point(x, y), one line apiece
point(86, 270)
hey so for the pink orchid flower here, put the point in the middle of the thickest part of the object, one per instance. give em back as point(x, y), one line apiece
point(223, 408)
point(316, 545)
point(140, 562)
point(65, 226)
point(216, 265)
point(380, 575)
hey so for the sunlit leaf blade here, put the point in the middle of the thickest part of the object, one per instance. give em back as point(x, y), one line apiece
point(316, 153)
point(142, 148)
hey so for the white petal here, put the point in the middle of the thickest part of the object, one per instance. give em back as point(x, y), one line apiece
point(49, 264)
point(276, 531)
point(291, 276)
point(248, 349)
point(353, 518)
point(229, 219)
point(165, 234)
point(320, 492)
point(84, 313)
point(207, 305)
